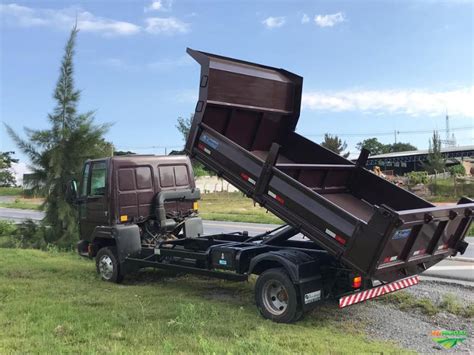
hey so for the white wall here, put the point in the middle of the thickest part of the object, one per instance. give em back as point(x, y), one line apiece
point(210, 184)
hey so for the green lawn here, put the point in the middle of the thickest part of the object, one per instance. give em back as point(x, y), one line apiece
point(24, 203)
point(233, 207)
point(11, 191)
point(445, 190)
point(54, 302)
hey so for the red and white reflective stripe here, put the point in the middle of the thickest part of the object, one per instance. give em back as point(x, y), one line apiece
point(389, 259)
point(377, 291)
point(276, 197)
point(203, 147)
point(247, 178)
point(340, 239)
point(418, 252)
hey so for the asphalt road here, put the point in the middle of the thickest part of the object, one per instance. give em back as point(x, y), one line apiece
point(448, 269)
point(17, 215)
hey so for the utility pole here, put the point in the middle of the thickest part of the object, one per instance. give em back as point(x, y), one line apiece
point(450, 141)
point(395, 132)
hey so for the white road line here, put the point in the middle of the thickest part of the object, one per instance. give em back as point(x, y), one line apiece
point(445, 268)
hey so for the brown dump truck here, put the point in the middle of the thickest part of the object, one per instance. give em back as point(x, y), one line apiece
point(363, 236)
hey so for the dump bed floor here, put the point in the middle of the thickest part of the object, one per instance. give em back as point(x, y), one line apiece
point(358, 208)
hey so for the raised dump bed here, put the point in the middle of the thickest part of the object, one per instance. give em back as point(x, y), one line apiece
point(244, 130)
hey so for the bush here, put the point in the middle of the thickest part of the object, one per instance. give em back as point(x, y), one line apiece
point(417, 177)
point(27, 234)
point(30, 235)
point(7, 235)
point(457, 170)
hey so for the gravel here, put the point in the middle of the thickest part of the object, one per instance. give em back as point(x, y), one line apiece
point(412, 329)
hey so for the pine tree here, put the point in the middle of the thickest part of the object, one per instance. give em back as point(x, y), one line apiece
point(435, 162)
point(57, 153)
point(335, 144)
point(183, 125)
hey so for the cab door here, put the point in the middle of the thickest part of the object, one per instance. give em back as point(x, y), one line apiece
point(93, 206)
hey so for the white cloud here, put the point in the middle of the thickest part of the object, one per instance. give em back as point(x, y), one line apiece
point(273, 22)
point(169, 64)
point(64, 19)
point(305, 18)
point(329, 20)
point(24, 16)
point(159, 5)
point(159, 65)
point(156, 6)
point(409, 102)
point(166, 25)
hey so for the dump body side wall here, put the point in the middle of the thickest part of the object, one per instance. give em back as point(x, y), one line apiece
point(244, 130)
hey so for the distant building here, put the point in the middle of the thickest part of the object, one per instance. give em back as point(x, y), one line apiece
point(404, 162)
point(28, 182)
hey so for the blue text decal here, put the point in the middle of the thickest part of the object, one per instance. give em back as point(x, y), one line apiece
point(401, 234)
point(211, 142)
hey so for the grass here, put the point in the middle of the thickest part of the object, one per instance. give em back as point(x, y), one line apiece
point(234, 207)
point(450, 304)
point(444, 190)
point(24, 203)
point(11, 191)
point(54, 303)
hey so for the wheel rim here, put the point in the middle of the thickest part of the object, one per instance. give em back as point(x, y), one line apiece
point(106, 267)
point(275, 297)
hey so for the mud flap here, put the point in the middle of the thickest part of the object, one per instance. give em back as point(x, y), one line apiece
point(311, 292)
point(127, 238)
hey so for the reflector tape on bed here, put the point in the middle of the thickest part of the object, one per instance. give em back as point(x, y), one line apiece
point(377, 291)
point(247, 177)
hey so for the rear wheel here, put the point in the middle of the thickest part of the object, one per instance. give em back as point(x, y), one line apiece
point(107, 265)
point(276, 296)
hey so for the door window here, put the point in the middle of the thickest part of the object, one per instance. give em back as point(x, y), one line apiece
point(98, 179)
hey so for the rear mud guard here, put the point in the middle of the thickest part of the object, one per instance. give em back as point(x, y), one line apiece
point(127, 238)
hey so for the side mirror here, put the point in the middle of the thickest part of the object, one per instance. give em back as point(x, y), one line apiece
point(71, 191)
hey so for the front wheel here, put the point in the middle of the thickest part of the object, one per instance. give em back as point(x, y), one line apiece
point(107, 265)
point(276, 296)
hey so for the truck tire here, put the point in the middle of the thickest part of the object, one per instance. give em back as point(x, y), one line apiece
point(276, 296)
point(107, 265)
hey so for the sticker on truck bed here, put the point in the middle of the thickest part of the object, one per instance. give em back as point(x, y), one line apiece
point(211, 142)
point(312, 297)
point(401, 234)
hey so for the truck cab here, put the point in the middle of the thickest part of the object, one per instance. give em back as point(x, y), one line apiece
point(124, 190)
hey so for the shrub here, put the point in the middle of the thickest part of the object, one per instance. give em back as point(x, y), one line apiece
point(417, 177)
point(7, 234)
point(30, 235)
point(457, 169)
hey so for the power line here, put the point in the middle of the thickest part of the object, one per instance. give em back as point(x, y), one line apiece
point(372, 134)
point(390, 133)
point(119, 146)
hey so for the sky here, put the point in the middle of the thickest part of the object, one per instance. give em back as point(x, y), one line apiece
point(370, 68)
